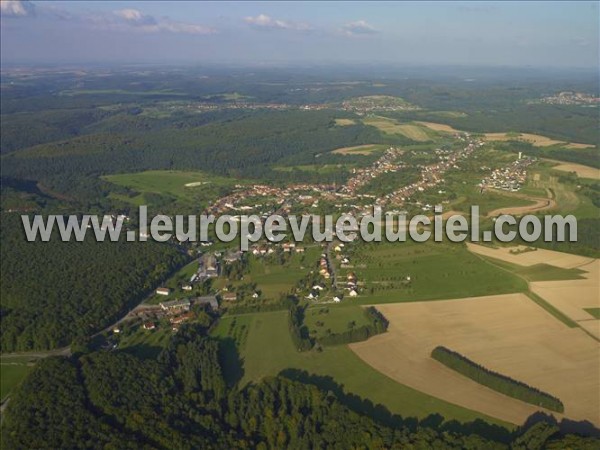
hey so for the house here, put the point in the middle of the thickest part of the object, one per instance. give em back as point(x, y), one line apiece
point(255, 295)
point(163, 291)
point(336, 299)
point(175, 306)
point(345, 260)
point(353, 293)
point(232, 256)
point(229, 297)
point(317, 287)
point(310, 296)
point(210, 300)
point(182, 318)
point(299, 249)
point(116, 330)
point(288, 246)
point(186, 287)
point(149, 326)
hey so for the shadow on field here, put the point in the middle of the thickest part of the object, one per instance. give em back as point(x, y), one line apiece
point(382, 415)
point(231, 362)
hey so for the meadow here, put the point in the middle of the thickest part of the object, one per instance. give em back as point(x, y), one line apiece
point(187, 187)
point(11, 374)
point(408, 271)
point(324, 319)
point(265, 349)
point(412, 130)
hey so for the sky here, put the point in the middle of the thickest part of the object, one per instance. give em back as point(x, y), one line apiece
point(532, 34)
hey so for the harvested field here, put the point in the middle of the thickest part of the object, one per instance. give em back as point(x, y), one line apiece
point(508, 334)
point(439, 127)
point(581, 170)
point(539, 256)
point(345, 122)
point(573, 297)
point(390, 126)
point(576, 146)
point(365, 149)
point(414, 132)
point(535, 139)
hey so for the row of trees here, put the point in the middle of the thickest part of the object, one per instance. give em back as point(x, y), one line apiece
point(496, 381)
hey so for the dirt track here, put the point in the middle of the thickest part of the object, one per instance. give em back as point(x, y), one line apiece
point(540, 204)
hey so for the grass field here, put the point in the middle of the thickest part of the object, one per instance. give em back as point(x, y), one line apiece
point(436, 271)
point(266, 349)
point(508, 334)
point(413, 131)
point(594, 312)
point(334, 318)
point(187, 187)
point(276, 279)
point(146, 343)
point(12, 373)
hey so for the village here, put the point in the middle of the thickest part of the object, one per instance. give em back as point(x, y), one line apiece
point(331, 279)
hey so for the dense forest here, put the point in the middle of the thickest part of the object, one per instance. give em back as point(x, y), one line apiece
point(53, 292)
point(116, 400)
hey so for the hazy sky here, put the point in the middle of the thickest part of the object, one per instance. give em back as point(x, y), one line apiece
point(560, 34)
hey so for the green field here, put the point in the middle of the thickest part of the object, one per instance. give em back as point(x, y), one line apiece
point(146, 343)
point(276, 279)
point(436, 271)
point(201, 187)
point(594, 312)
point(566, 195)
point(322, 319)
point(266, 349)
point(12, 373)
point(410, 130)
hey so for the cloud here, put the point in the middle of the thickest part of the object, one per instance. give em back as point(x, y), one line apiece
point(133, 19)
point(265, 22)
point(17, 8)
point(359, 27)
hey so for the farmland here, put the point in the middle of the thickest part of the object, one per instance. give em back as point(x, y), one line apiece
point(535, 139)
point(366, 149)
point(413, 131)
point(255, 334)
point(187, 187)
point(436, 271)
point(508, 333)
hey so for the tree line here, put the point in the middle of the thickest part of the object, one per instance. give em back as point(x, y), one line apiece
point(496, 381)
